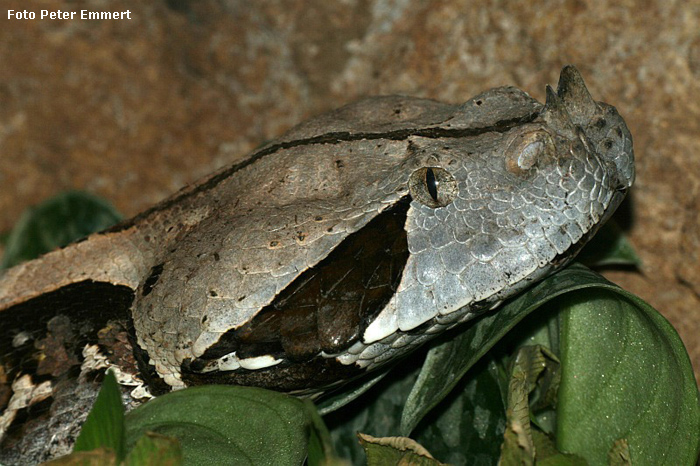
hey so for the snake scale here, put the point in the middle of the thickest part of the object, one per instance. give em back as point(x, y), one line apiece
point(329, 252)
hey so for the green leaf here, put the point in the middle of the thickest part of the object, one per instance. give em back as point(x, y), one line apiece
point(56, 222)
point(532, 366)
point(675, 409)
point(104, 426)
point(349, 393)
point(321, 451)
point(467, 426)
point(625, 375)
point(395, 450)
point(377, 412)
point(539, 328)
point(548, 455)
point(155, 450)
point(449, 361)
point(227, 425)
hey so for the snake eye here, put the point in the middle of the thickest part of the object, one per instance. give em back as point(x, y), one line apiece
point(432, 186)
point(431, 183)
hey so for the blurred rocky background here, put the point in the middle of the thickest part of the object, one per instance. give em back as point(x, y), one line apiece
point(133, 110)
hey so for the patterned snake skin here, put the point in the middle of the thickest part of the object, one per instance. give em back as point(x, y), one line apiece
point(334, 250)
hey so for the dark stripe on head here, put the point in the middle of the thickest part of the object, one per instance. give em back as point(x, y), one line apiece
point(328, 307)
point(330, 138)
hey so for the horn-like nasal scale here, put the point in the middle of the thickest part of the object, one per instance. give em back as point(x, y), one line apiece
point(574, 94)
point(598, 124)
point(555, 113)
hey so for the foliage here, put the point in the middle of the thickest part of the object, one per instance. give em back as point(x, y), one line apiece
point(54, 223)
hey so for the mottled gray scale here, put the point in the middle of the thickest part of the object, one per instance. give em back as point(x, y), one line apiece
point(440, 237)
point(477, 203)
point(574, 232)
point(418, 242)
point(453, 257)
point(489, 227)
point(443, 214)
point(430, 222)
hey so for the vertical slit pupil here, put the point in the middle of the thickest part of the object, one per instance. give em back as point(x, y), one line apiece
point(431, 184)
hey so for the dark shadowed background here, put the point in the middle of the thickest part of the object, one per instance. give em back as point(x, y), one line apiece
point(133, 110)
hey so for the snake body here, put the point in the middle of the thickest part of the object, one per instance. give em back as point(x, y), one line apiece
point(332, 251)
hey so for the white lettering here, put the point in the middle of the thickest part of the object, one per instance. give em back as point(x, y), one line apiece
point(85, 14)
point(21, 14)
point(57, 14)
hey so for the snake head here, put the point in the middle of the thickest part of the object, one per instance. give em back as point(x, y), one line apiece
point(598, 125)
point(424, 215)
point(524, 200)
